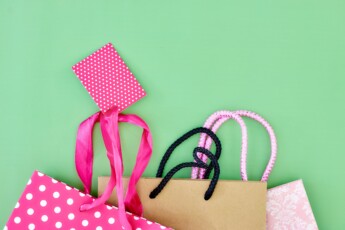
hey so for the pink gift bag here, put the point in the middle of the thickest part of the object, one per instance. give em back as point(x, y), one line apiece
point(47, 203)
point(113, 87)
point(50, 204)
point(287, 206)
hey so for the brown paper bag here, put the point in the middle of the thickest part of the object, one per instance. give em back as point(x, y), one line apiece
point(234, 204)
point(237, 205)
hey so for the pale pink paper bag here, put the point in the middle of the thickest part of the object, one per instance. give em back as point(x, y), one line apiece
point(50, 204)
point(288, 208)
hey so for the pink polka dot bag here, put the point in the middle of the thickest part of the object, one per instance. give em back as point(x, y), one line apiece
point(49, 204)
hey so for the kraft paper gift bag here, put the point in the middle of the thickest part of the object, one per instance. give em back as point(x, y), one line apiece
point(287, 205)
point(181, 204)
point(50, 204)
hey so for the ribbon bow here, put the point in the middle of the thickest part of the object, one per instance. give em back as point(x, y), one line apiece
point(111, 136)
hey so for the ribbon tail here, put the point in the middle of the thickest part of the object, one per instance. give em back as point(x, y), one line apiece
point(109, 125)
point(132, 201)
point(104, 197)
point(84, 151)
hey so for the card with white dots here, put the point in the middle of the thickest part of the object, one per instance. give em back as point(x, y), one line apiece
point(50, 204)
point(108, 80)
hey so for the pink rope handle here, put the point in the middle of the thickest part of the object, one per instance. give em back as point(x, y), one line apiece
point(217, 120)
point(206, 141)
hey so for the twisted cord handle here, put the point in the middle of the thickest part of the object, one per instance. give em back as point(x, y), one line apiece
point(198, 163)
point(206, 142)
point(217, 119)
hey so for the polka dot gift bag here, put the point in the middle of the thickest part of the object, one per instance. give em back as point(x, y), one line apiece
point(50, 204)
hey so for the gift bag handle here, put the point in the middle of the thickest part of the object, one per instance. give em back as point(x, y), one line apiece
point(230, 115)
point(216, 120)
point(84, 160)
point(198, 162)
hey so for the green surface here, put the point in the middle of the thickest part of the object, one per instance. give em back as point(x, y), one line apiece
point(281, 59)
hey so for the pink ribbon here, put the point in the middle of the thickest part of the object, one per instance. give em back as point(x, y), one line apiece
point(110, 132)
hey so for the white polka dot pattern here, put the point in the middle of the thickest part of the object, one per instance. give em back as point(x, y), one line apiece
point(108, 80)
point(49, 204)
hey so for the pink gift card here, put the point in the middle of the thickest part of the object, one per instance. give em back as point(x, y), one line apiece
point(108, 80)
point(288, 208)
point(50, 204)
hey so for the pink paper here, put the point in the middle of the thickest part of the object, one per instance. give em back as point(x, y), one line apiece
point(49, 204)
point(288, 208)
point(108, 80)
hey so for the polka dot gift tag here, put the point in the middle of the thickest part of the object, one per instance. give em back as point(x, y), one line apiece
point(108, 80)
point(49, 204)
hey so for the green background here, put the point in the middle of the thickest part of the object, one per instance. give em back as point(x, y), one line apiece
point(281, 59)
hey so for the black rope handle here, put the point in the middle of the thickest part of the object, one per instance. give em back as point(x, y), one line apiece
point(183, 138)
point(198, 162)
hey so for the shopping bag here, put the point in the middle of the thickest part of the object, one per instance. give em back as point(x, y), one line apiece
point(287, 205)
point(47, 203)
point(113, 87)
point(181, 204)
point(288, 208)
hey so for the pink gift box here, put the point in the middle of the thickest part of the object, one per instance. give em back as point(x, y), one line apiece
point(49, 204)
point(288, 208)
point(108, 80)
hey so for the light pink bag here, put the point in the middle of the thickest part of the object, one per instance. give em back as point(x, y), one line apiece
point(288, 207)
